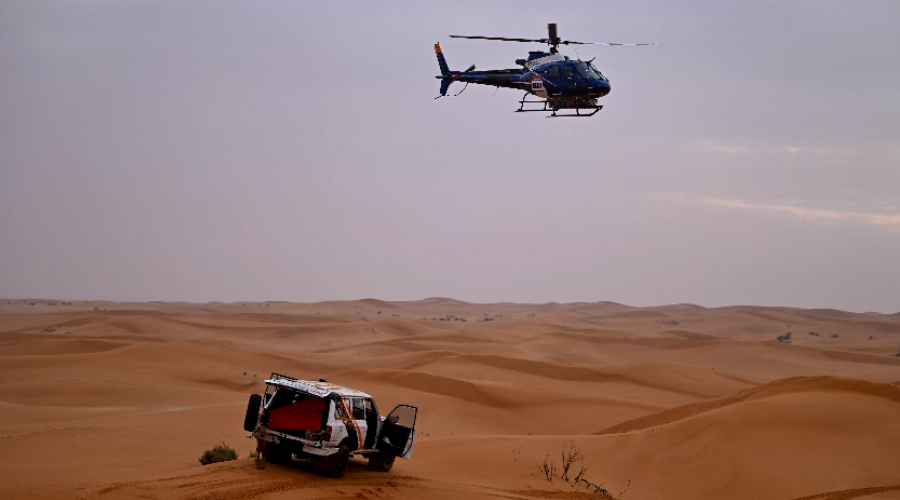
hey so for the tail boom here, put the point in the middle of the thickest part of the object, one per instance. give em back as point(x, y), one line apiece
point(510, 78)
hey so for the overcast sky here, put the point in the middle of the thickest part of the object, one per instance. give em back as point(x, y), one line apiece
point(217, 150)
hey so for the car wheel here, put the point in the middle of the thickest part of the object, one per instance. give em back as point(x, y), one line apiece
point(381, 462)
point(252, 414)
point(338, 462)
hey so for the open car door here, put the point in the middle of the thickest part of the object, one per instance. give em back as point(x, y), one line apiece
point(398, 432)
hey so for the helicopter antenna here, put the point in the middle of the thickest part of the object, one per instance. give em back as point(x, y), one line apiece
point(553, 40)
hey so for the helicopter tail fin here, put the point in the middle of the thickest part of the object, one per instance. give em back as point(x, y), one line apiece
point(445, 70)
point(446, 80)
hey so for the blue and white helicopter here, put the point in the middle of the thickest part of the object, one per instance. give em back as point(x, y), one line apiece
point(561, 83)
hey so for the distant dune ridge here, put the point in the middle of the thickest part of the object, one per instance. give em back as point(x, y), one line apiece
point(105, 400)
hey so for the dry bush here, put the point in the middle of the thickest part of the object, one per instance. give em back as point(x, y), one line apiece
point(570, 455)
point(219, 453)
point(573, 471)
point(548, 467)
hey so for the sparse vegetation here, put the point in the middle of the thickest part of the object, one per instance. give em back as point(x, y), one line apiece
point(446, 317)
point(517, 454)
point(548, 468)
point(571, 457)
point(219, 453)
point(786, 338)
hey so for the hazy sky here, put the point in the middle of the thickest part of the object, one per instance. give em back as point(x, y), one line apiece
point(216, 150)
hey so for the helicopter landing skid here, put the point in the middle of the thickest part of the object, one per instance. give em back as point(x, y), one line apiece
point(547, 106)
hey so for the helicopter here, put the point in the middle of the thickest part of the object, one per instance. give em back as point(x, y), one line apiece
point(561, 83)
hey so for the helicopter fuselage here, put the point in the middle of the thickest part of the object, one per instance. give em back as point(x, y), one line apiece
point(544, 75)
point(560, 83)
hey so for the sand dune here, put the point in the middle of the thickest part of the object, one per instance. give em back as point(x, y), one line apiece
point(118, 400)
point(781, 438)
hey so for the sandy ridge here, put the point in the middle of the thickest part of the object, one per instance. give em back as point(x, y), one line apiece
point(779, 387)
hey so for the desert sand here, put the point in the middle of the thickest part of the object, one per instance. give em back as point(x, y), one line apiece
point(102, 400)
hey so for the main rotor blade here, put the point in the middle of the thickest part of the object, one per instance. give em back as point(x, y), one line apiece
point(501, 38)
point(553, 40)
point(569, 42)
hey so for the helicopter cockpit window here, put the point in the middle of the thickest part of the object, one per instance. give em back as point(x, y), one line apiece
point(568, 72)
point(553, 72)
point(595, 73)
point(582, 69)
point(588, 71)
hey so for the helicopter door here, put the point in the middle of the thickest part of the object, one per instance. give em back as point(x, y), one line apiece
point(569, 77)
point(398, 432)
point(555, 82)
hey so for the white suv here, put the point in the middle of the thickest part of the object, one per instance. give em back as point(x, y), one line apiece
point(327, 423)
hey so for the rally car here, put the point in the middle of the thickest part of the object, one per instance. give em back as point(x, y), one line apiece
point(326, 423)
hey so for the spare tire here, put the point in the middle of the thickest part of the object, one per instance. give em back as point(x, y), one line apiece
point(252, 415)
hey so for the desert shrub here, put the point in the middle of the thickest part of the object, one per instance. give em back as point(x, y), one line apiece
point(219, 453)
point(548, 468)
point(571, 457)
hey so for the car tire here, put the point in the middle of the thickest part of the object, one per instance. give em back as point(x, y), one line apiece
point(337, 463)
point(252, 415)
point(381, 462)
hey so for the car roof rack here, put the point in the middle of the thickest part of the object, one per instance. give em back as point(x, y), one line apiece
point(281, 376)
point(315, 387)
